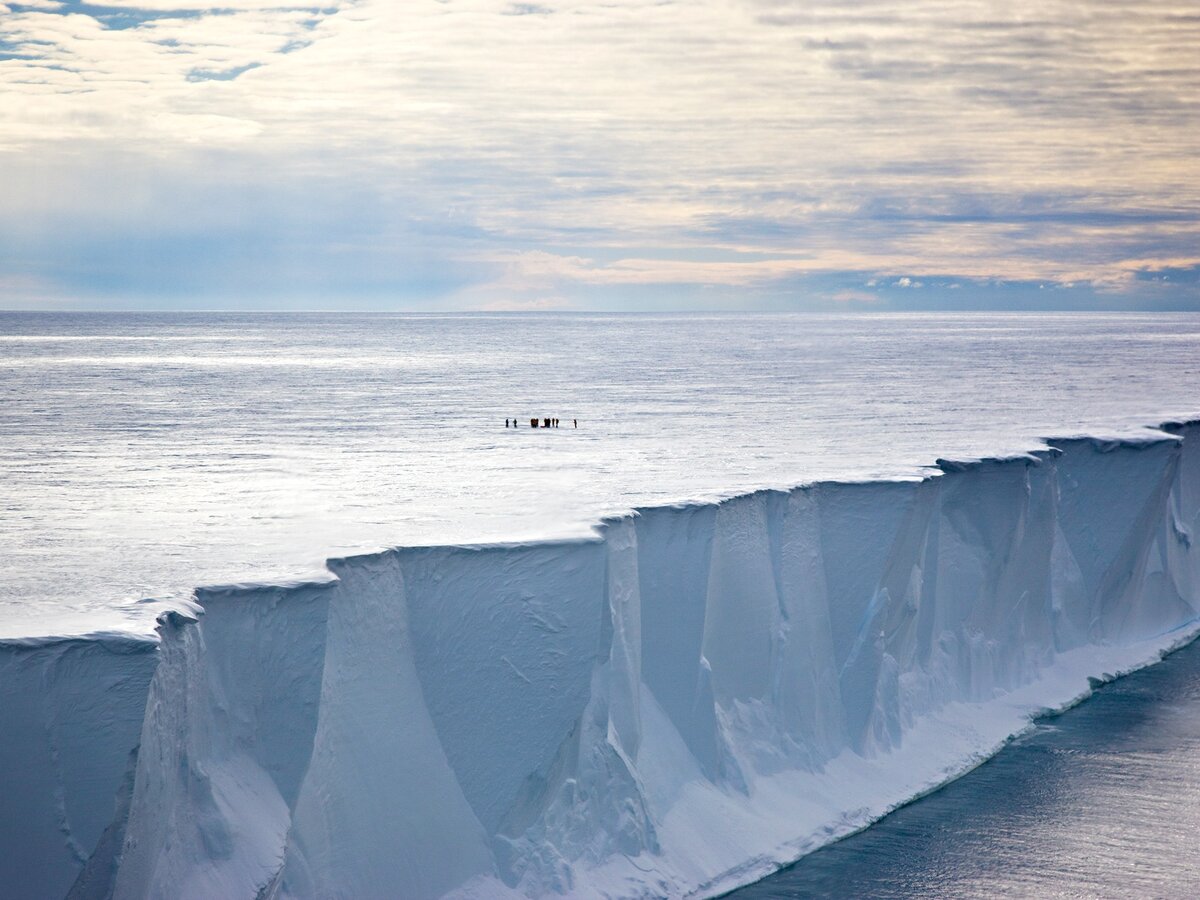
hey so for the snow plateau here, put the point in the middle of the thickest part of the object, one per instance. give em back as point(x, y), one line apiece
point(689, 700)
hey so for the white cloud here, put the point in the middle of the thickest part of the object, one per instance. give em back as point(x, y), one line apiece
point(767, 139)
point(855, 298)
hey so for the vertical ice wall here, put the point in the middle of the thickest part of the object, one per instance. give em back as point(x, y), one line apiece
point(697, 695)
point(70, 715)
point(227, 739)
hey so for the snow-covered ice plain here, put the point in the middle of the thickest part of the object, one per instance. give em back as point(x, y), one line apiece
point(672, 701)
point(144, 455)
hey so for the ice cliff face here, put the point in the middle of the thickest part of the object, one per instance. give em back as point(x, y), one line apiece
point(695, 697)
point(70, 717)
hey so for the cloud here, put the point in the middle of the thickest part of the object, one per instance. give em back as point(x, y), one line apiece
point(19, 291)
point(855, 298)
point(523, 304)
point(631, 143)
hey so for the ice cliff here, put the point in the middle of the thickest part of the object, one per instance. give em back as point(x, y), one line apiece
point(698, 695)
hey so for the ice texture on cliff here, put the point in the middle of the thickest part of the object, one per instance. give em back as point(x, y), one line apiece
point(699, 694)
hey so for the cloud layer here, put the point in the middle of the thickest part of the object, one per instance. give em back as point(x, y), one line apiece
point(626, 153)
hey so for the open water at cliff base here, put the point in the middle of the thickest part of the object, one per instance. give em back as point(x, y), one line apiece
point(1102, 801)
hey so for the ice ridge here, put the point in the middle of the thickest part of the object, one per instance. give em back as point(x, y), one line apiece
point(694, 697)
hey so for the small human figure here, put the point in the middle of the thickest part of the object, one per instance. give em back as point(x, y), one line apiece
point(576, 421)
point(506, 423)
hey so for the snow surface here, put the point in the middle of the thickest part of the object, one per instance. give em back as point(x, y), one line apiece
point(144, 455)
point(676, 705)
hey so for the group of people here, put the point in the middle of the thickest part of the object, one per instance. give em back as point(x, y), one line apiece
point(544, 423)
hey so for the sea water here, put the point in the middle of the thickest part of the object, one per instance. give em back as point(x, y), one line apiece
point(142, 455)
point(1102, 802)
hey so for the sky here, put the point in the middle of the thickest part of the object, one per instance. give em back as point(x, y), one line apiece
point(624, 155)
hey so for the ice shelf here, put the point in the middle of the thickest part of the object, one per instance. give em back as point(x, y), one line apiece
point(689, 700)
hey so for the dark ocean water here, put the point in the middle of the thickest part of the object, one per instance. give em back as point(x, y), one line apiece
point(1101, 801)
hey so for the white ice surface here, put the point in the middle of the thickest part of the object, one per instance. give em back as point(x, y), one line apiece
point(676, 702)
point(145, 455)
point(676, 706)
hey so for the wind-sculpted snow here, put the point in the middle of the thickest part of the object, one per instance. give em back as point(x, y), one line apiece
point(689, 700)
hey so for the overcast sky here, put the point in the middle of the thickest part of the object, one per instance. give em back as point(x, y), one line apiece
point(630, 154)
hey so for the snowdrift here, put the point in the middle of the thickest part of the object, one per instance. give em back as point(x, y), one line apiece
point(698, 695)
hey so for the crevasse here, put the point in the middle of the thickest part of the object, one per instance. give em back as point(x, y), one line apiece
point(698, 695)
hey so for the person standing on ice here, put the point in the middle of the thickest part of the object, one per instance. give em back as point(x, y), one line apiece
point(506, 423)
point(576, 421)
